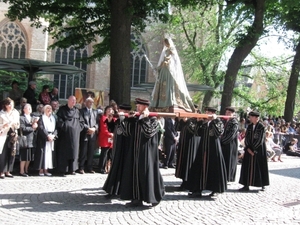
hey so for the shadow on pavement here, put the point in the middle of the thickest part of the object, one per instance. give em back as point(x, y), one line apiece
point(292, 172)
point(61, 201)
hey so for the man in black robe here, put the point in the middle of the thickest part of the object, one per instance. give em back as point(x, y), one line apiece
point(142, 179)
point(229, 141)
point(69, 124)
point(208, 171)
point(187, 148)
point(254, 171)
point(120, 149)
point(88, 137)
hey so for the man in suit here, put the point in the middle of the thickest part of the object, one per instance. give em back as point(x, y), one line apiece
point(170, 140)
point(88, 137)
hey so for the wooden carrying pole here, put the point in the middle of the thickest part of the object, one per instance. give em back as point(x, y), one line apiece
point(181, 115)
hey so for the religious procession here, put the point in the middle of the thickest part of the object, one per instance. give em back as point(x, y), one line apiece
point(163, 132)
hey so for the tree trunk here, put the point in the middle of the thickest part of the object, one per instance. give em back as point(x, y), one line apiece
point(206, 100)
point(242, 50)
point(120, 52)
point(292, 87)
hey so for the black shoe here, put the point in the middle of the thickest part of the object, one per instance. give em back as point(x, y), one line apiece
point(244, 189)
point(23, 174)
point(195, 195)
point(262, 188)
point(9, 175)
point(165, 167)
point(154, 204)
point(72, 173)
point(80, 171)
point(91, 171)
point(62, 175)
point(103, 172)
point(172, 166)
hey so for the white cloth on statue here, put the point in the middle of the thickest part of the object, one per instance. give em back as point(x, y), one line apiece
point(49, 124)
point(174, 67)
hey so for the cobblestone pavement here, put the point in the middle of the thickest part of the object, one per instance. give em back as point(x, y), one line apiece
point(80, 200)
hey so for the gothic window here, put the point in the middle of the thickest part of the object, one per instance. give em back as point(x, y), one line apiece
point(67, 83)
point(138, 61)
point(12, 41)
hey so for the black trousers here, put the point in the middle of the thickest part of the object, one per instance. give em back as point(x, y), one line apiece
point(170, 148)
point(86, 154)
point(103, 158)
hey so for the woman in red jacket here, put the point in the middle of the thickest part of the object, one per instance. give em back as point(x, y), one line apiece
point(105, 136)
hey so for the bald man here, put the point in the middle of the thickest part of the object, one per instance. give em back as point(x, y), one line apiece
point(69, 124)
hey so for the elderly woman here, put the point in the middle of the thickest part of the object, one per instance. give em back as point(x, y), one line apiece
point(28, 125)
point(9, 123)
point(46, 134)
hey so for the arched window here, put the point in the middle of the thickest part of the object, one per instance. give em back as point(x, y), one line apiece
point(12, 41)
point(138, 61)
point(66, 84)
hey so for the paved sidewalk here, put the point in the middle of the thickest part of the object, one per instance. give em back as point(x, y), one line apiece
point(80, 200)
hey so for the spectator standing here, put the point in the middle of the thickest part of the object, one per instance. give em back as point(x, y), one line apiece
point(29, 94)
point(54, 94)
point(254, 171)
point(88, 137)
point(105, 137)
point(46, 134)
point(15, 93)
point(9, 123)
point(44, 96)
point(69, 124)
point(28, 126)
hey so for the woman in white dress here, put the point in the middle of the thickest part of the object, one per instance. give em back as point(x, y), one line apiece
point(9, 123)
point(46, 134)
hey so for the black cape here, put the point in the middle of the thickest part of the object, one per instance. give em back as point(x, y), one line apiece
point(208, 171)
point(141, 178)
point(69, 125)
point(188, 146)
point(229, 141)
point(119, 152)
point(254, 171)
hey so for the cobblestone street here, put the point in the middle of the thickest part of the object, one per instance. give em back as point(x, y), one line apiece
point(80, 200)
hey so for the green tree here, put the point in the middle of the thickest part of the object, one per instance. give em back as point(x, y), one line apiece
point(246, 42)
point(287, 12)
point(83, 22)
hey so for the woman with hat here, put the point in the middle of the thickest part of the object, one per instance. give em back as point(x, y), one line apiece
point(254, 171)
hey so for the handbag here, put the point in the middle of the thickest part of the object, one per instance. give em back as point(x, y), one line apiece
point(22, 140)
